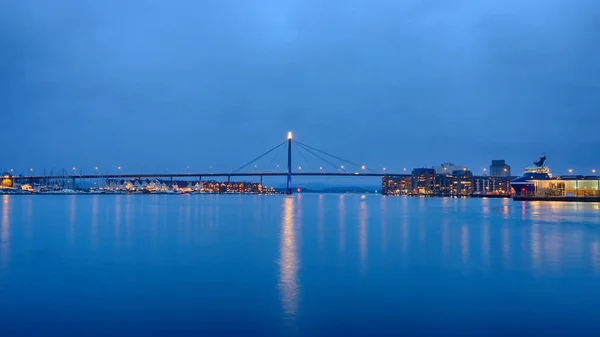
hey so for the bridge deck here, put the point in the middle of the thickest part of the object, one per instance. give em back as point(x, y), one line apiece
point(198, 175)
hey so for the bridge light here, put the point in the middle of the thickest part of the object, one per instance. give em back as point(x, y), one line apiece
point(299, 167)
point(342, 167)
point(570, 170)
point(384, 168)
point(405, 169)
point(321, 168)
point(290, 135)
point(363, 167)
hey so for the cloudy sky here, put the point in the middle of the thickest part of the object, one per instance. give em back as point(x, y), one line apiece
point(159, 85)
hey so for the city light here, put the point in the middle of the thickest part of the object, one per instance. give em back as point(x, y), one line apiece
point(505, 170)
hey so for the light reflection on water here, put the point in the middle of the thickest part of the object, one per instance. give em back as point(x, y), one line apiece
point(5, 232)
point(363, 228)
point(302, 259)
point(288, 283)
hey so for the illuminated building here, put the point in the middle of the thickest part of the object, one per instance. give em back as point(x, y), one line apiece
point(491, 185)
point(570, 186)
point(462, 183)
point(423, 181)
point(7, 181)
point(396, 185)
point(457, 183)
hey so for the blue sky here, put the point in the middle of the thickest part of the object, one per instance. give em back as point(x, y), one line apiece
point(159, 85)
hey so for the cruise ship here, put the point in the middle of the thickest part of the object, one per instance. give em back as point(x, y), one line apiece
point(525, 184)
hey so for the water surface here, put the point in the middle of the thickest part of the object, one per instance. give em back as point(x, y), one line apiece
point(305, 265)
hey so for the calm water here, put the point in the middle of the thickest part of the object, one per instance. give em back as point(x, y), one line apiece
point(306, 265)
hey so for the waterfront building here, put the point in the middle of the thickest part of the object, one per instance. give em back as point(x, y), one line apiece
point(396, 185)
point(567, 186)
point(483, 185)
point(457, 183)
point(423, 181)
point(7, 181)
point(462, 183)
point(499, 168)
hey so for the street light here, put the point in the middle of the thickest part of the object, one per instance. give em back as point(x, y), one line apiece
point(593, 171)
point(363, 167)
point(384, 168)
point(570, 170)
point(342, 167)
point(300, 168)
point(321, 168)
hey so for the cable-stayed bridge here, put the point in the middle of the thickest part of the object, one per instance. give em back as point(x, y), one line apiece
point(330, 165)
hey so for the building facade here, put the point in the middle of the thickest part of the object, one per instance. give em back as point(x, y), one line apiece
point(499, 168)
point(458, 183)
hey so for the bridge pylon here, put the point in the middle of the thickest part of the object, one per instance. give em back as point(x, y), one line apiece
point(289, 164)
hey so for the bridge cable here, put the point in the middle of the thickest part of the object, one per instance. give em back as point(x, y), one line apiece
point(334, 156)
point(276, 156)
point(300, 152)
point(335, 167)
point(257, 158)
